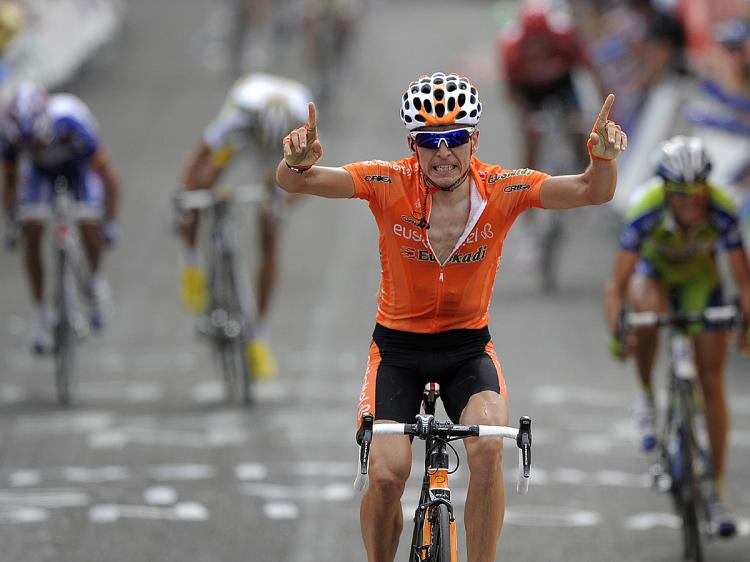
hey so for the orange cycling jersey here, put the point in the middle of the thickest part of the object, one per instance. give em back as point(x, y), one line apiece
point(417, 293)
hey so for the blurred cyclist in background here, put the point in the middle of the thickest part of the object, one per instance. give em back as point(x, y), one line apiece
point(11, 21)
point(44, 137)
point(329, 29)
point(667, 259)
point(257, 113)
point(539, 55)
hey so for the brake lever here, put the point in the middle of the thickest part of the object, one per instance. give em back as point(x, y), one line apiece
point(523, 440)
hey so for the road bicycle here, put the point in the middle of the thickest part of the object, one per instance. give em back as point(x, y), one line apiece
point(231, 313)
point(71, 282)
point(682, 465)
point(434, 536)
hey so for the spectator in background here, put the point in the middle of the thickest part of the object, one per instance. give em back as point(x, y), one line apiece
point(732, 64)
point(661, 52)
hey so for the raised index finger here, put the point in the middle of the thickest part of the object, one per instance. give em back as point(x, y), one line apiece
point(604, 113)
point(312, 118)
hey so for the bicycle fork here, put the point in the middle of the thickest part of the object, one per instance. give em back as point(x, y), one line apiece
point(684, 409)
point(435, 492)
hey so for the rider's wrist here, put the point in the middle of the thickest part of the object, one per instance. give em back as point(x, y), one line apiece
point(298, 169)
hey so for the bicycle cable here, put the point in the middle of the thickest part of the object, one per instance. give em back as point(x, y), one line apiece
point(440, 440)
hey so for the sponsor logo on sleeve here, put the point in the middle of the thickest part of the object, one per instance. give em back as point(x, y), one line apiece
point(381, 179)
point(516, 187)
point(512, 173)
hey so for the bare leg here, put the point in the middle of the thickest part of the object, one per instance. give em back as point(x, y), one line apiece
point(268, 271)
point(380, 514)
point(93, 243)
point(32, 236)
point(485, 500)
point(646, 294)
point(711, 354)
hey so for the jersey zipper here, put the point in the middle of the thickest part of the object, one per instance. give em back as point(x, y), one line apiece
point(441, 277)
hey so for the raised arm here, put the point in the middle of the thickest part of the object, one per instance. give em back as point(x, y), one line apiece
point(596, 185)
point(296, 173)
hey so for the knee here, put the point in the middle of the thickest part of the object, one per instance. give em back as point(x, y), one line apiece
point(485, 457)
point(388, 480)
point(644, 296)
point(713, 389)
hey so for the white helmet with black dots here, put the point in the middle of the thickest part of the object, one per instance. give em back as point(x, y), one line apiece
point(440, 99)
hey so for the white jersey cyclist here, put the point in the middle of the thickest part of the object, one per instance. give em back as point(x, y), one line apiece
point(258, 112)
point(258, 107)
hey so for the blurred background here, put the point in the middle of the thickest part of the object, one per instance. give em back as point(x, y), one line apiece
point(150, 462)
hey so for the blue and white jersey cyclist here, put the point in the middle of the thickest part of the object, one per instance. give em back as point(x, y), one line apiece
point(44, 137)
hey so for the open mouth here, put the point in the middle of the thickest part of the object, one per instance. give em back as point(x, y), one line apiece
point(445, 168)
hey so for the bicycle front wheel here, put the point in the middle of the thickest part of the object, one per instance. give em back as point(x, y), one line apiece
point(64, 361)
point(64, 334)
point(440, 542)
point(230, 329)
point(689, 498)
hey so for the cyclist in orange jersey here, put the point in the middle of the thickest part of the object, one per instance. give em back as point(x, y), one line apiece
point(443, 216)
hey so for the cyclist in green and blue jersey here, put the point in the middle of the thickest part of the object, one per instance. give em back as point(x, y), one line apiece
point(667, 260)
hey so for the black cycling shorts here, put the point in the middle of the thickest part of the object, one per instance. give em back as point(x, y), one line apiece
point(463, 362)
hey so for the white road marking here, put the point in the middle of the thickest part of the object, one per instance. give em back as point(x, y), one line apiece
point(251, 471)
point(160, 495)
point(184, 511)
point(191, 511)
point(134, 392)
point(336, 492)
point(281, 510)
point(207, 392)
point(329, 469)
point(551, 516)
point(211, 438)
point(70, 422)
point(23, 514)
point(651, 520)
point(86, 475)
point(29, 477)
point(182, 472)
point(44, 498)
point(577, 477)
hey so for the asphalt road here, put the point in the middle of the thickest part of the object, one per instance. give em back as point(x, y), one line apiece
point(149, 464)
